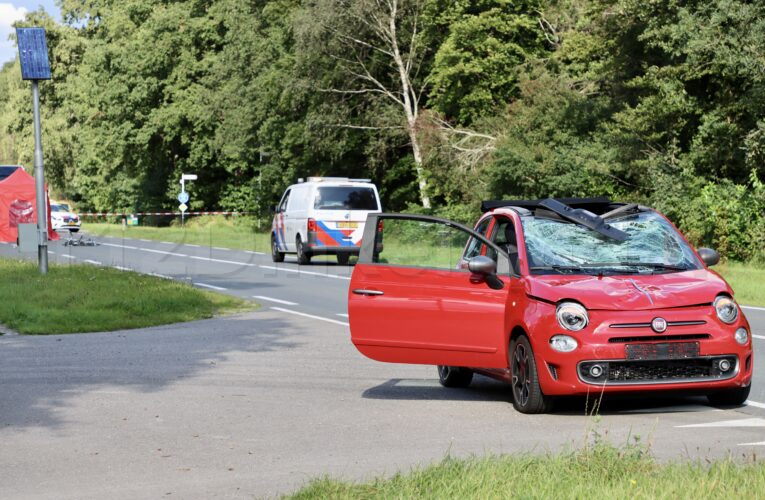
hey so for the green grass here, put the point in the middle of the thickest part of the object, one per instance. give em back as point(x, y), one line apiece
point(80, 298)
point(216, 231)
point(747, 281)
point(601, 471)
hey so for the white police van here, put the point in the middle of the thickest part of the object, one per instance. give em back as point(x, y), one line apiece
point(324, 215)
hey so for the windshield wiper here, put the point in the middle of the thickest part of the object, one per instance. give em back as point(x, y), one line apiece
point(557, 267)
point(653, 265)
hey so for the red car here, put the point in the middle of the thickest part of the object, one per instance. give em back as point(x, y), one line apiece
point(555, 297)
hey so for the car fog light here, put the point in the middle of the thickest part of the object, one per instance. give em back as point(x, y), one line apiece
point(742, 336)
point(596, 371)
point(563, 343)
point(724, 365)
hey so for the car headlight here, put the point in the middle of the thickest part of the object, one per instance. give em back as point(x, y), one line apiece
point(563, 343)
point(571, 316)
point(741, 336)
point(726, 308)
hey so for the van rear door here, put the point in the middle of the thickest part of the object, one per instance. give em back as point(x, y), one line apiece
point(341, 211)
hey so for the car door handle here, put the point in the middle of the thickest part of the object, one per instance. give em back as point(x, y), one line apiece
point(360, 291)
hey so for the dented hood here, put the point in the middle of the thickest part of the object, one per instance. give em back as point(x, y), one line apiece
point(636, 292)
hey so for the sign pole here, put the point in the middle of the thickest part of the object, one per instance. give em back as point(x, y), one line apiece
point(42, 205)
point(183, 192)
point(35, 66)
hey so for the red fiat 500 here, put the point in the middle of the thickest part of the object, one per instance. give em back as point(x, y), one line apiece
point(555, 297)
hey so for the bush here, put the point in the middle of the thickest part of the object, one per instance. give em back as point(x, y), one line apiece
point(730, 218)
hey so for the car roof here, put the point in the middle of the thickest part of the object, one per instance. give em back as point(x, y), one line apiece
point(597, 206)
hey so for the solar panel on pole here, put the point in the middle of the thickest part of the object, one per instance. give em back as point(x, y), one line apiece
point(35, 66)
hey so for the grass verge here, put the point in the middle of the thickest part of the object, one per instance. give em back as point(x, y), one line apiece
point(208, 231)
point(81, 298)
point(602, 471)
point(747, 281)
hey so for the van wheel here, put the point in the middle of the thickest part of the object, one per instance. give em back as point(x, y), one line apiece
point(276, 255)
point(527, 393)
point(343, 258)
point(303, 257)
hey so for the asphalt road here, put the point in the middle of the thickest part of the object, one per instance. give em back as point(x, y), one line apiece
point(256, 405)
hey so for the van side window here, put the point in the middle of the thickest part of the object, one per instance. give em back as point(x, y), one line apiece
point(285, 200)
point(475, 246)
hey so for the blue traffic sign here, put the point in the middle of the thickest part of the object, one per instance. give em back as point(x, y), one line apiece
point(183, 197)
point(33, 54)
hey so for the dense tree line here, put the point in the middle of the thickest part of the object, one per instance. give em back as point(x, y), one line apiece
point(442, 102)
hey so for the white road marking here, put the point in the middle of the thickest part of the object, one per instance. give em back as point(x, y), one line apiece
point(122, 268)
point(190, 245)
point(94, 262)
point(212, 287)
point(163, 252)
point(755, 404)
point(753, 308)
point(744, 422)
point(342, 315)
point(256, 253)
point(278, 301)
point(167, 242)
point(163, 276)
point(68, 256)
point(51, 252)
point(145, 240)
point(222, 261)
point(300, 271)
point(761, 443)
point(296, 313)
point(220, 248)
point(119, 246)
point(760, 337)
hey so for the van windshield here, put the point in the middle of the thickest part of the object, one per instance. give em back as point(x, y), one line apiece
point(345, 198)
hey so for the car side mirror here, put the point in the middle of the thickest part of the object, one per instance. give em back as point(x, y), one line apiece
point(274, 208)
point(709, 256)
point(487, 268)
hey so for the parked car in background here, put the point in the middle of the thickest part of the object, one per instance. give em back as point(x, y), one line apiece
point(323, 216)
point(62, 218)
point(554, 297)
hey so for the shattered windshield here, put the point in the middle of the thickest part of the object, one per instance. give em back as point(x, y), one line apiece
point(555, 246)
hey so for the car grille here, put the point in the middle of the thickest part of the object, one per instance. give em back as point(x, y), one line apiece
point(623, 372)
point(658, 338)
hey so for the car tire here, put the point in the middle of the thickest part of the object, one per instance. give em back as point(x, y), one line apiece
point(276, 255)
point(343, 258)
point(730, 397)
point(527, 393)
point(454, 376)
point(303, 257)
point(75, 230)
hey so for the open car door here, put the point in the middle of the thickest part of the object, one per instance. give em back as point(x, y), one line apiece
point(414, 299)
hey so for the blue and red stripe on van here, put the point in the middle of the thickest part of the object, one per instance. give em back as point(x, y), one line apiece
point(328, 237)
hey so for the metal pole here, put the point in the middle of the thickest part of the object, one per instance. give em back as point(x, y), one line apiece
point(183, 190)
point(42, 204)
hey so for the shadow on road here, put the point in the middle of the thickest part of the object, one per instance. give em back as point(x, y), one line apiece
point(39, 374)
point(485, 389)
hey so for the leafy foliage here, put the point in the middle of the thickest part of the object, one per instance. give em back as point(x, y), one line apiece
point(656, 102)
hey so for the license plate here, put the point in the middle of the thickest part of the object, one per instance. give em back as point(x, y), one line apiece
point(670, 350)
point(347, 225)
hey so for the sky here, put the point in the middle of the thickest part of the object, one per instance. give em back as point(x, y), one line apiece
point(14, 10)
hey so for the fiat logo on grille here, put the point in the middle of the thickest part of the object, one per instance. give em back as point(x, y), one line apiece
point(659, 325)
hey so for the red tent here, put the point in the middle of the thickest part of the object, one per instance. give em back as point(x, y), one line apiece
point(18, 203)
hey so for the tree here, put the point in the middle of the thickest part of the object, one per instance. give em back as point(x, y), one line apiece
point(376, 50)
